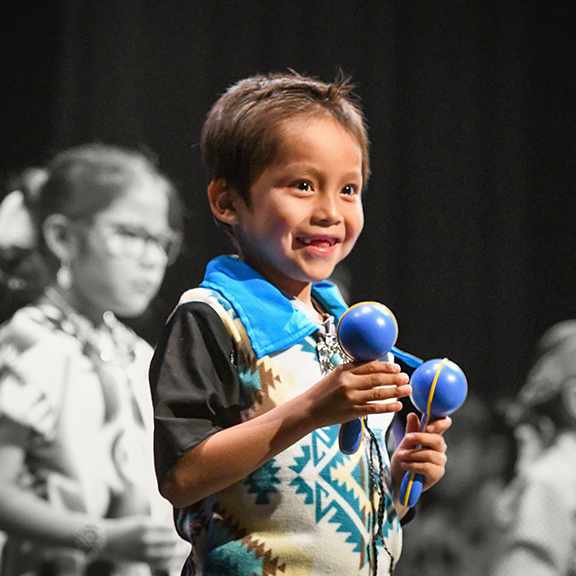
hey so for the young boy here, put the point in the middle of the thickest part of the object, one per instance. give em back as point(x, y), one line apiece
point(248, 381)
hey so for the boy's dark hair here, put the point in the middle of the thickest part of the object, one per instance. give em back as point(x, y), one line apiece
point(239, 137)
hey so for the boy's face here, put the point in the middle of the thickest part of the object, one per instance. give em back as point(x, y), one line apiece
point(305, 211)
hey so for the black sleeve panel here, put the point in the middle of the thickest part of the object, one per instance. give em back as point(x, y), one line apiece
point(194, 383)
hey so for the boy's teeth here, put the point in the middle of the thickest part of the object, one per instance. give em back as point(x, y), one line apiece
point(318, 241)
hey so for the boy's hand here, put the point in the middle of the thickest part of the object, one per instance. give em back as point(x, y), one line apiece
point(354, 390)
point(429, 460)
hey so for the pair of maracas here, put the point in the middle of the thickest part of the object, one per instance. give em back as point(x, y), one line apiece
point(368, 331)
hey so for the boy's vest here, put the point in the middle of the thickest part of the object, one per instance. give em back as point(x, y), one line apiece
point(255, 523)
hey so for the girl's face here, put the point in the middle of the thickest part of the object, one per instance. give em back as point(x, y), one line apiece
point(118, 260)
point(305, 211)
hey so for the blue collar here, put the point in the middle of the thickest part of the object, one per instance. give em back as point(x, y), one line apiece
point(272, 323)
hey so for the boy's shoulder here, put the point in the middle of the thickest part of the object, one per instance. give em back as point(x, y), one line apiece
point(203, 294)
point(212, 298)
point(217, 303)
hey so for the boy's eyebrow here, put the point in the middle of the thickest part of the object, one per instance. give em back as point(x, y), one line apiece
point(305, 166)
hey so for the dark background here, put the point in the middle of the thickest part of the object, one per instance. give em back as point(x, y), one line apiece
point(470, 211)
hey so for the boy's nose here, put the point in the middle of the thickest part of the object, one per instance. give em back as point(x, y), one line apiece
point(326, 209)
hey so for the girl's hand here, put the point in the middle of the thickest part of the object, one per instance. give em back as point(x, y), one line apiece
point(421, 452)
point(141, 539)
point(354, 390)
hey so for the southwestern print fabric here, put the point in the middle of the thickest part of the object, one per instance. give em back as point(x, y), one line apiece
point(310, 510)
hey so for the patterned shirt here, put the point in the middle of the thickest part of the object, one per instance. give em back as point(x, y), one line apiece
point(233, 349)
point(80, 392)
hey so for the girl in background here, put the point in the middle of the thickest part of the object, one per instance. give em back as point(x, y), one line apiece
point(77, 487)
point(538, 513)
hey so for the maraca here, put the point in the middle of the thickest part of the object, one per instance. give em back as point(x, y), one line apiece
point(439, 388)
point(367, 331)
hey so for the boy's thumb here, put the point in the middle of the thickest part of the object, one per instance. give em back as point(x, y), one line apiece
point(412, 422)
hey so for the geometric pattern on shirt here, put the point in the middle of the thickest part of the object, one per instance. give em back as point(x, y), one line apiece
point(336, 496)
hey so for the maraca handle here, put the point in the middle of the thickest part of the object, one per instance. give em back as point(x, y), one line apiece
point(351, 435)
point(411, 488)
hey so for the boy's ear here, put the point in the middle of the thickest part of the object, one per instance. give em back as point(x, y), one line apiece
point(223, 201)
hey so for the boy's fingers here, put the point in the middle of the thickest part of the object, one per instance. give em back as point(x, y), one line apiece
point(382, 393)
point(412, 423)
point(427, 440)
point(432, 443)
point(376, 380)
point(429, 468)
point(375, 366)
point(380, 407)
point(439, 426)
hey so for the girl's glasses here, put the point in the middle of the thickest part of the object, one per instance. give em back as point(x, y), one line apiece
point(133, 241)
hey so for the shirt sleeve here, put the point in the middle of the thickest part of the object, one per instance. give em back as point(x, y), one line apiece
point(194, 383)
point(27, 354)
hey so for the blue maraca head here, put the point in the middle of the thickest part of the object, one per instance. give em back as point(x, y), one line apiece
point(367, 331)
point(449, 387)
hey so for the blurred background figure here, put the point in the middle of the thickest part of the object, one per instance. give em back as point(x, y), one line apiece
point(78, 494)
point(457, 531)
point(20, 273)
point(538, 516)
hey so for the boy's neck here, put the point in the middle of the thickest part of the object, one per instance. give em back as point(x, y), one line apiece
point(305, 296)
point(284, 283)
point(312, 309)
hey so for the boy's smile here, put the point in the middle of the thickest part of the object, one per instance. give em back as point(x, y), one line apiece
point(305, 211)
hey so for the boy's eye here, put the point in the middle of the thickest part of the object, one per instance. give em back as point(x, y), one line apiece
point(304, 186)
point(349, 190)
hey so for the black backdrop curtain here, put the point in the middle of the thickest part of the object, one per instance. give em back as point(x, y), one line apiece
point(470, 231)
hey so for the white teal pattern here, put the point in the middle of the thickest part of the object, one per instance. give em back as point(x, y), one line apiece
point(309, 511)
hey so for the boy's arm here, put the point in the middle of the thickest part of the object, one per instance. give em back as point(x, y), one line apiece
point(201, 444)
point(194, 384)
point(231, 454)
point(199, 454)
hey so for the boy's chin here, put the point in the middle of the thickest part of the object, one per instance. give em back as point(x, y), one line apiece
point(323, 273)
point(316, 275)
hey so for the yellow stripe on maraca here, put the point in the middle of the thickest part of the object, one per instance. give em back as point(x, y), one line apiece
point(428, 416)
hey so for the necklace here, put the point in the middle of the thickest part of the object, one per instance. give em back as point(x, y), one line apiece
point(329, 351)
point(109, 341)
point(330, 355)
